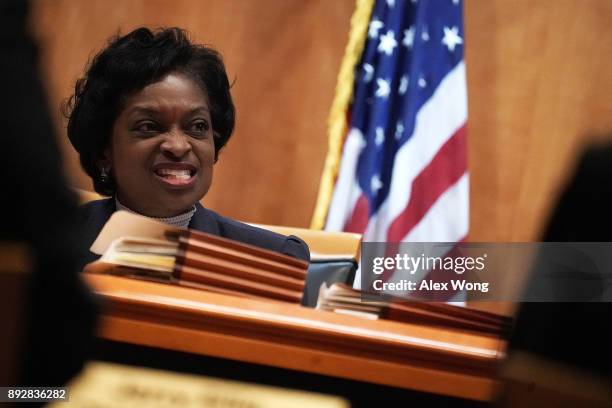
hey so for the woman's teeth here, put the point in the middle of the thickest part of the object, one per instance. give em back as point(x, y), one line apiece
point(175, 174)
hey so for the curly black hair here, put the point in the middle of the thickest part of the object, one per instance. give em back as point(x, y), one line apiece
point(127, 65)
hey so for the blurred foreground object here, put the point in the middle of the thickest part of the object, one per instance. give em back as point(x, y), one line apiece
point(58, 319)
point(14, 274)
point(117, 386)
point(575, 335)
point(532, 381)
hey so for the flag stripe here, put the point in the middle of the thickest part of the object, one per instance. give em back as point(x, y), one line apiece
point(441, 173)
point(447, 220)
point(360, 217)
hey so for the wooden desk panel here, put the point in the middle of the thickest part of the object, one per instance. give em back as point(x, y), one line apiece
point(292, 337)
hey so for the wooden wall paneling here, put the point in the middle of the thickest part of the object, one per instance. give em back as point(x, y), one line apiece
point(538, 81)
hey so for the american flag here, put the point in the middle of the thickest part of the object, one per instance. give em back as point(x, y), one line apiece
point(403, 171)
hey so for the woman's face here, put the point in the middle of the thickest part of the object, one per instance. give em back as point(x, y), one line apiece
point(162, 149)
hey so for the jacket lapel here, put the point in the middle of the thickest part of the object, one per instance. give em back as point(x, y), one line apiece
point(203, 220)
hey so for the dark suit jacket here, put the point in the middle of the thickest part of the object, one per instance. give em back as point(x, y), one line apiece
point(96, 213)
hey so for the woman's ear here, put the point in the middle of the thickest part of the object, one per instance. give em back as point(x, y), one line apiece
point(105, 162)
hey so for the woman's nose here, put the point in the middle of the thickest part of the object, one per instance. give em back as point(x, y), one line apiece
point(176, 144)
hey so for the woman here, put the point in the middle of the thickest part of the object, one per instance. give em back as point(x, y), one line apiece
point(148, 120)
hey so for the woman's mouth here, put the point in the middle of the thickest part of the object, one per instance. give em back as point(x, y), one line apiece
point(175, 177)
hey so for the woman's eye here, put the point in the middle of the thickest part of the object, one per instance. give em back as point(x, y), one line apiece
point(200, 126)
point(147, 127)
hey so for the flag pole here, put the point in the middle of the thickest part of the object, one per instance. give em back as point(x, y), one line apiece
point(336, 122)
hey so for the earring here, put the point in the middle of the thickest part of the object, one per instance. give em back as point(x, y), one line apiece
point(104, 175)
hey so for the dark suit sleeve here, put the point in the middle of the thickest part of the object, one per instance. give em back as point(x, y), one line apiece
point(92, 216)
point(211, 222)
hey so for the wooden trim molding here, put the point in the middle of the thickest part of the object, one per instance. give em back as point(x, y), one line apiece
point(323, 244)
point(288, 336)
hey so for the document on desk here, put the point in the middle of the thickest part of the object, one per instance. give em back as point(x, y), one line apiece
point(103, 385)
point(341, 298)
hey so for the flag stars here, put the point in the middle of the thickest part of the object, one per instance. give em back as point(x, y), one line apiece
point(408, 38)
point(374, 26)
point(379, 139)
point(403, 86)
point(425, 34)
point(375, 184)
point(451, 38)
point(456, 2)
point(399, 130)
point(422, 82)
point(387, 43)
point(368, 72)
point(391, 3)
point(383, 88)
